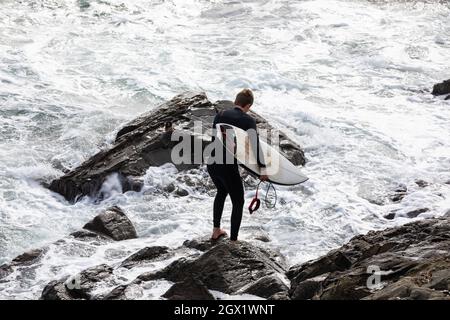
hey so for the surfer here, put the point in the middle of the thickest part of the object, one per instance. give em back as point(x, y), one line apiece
point(225, 176)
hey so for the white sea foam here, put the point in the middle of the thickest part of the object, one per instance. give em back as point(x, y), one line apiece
point(348, 80)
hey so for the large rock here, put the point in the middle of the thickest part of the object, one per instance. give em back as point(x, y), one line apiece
point(146, 141)
point(112, 223)
point(407, 262)
point(441, 88)
point(145, 255)
point(267, 287)
point(25, 259)
point(79, 286)
point(188, 289)
point(227, 268)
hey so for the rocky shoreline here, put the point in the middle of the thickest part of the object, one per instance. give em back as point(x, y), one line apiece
point(407, 262)
point(146, 142)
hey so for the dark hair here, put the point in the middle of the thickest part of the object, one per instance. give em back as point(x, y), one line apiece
point(244, 98)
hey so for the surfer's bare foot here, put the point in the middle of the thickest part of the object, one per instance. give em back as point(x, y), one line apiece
point(217, 233)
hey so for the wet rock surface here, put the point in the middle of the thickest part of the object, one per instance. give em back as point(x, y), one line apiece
point(144, 255)
point(410, 214)
point(147, 141)
point(406, 262)
point(441, 88)
point(267, 287)
point(226, 267)
point(112, 223)
point(397, 263)
point(77, 287)
point(25, 259)
point(188, 289)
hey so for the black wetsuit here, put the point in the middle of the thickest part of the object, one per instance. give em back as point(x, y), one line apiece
point(226, 177)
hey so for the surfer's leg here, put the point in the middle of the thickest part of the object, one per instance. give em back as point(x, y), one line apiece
point(236, 191)
point(219, 201)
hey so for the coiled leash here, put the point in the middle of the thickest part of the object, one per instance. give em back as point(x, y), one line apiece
point(256, 202)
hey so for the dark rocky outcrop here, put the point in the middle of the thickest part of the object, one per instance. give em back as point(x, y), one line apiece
point(267, 287)
point(144, 255)
point(407, 262)
point(204, 243)
point(77, 287)
point(88, 235)
point(28, 257)
point(411, 262)
point(226, 267)
point(398, 193)
point(441, 88)
point(56, 290)
point(25, 259)
point(112, 223)
point(5, 270)
point(410, 214)
point(146, 142)
point(188, 289)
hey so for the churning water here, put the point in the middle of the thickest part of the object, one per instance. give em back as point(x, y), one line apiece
point(348, 80)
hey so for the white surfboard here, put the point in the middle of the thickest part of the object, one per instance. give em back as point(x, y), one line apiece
point(278, 169)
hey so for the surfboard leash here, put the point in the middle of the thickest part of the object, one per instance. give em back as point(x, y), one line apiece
point(256, 202)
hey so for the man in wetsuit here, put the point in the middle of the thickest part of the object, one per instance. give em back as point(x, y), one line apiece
point(226, 176)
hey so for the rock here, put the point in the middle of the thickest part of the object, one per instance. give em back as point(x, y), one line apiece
point(181, 192)
point(390, 215)
point(78, 287)
point(56, 290)
point(447, 97)
point(441, 88)
point(407, 289)
point(415, 213)
point(263, 238)
point(267, 286)
point(188, 289)
point(398, 194)
point(203, 244)
point(440, 280)
point(145, 142)
point(112, 223)
point(334, 261)
point(447, 214)
point(307, 289)
point(422, 183)
point(5, 270)
point(406, 262)
point(409, 214)
point(143, 255)
point(83, 283)
point(25, 259)
point(280, 296)
point(118, 293)
point(225, 267)
point(87, 235)
point(28, 258)
point(176, 190)
point(170, 188)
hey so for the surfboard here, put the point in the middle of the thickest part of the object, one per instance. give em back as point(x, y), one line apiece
point(278, 169)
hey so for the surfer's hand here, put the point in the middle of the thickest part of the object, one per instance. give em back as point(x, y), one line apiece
point(263, 177)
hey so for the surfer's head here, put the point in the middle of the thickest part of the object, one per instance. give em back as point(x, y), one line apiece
point(244, 99)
